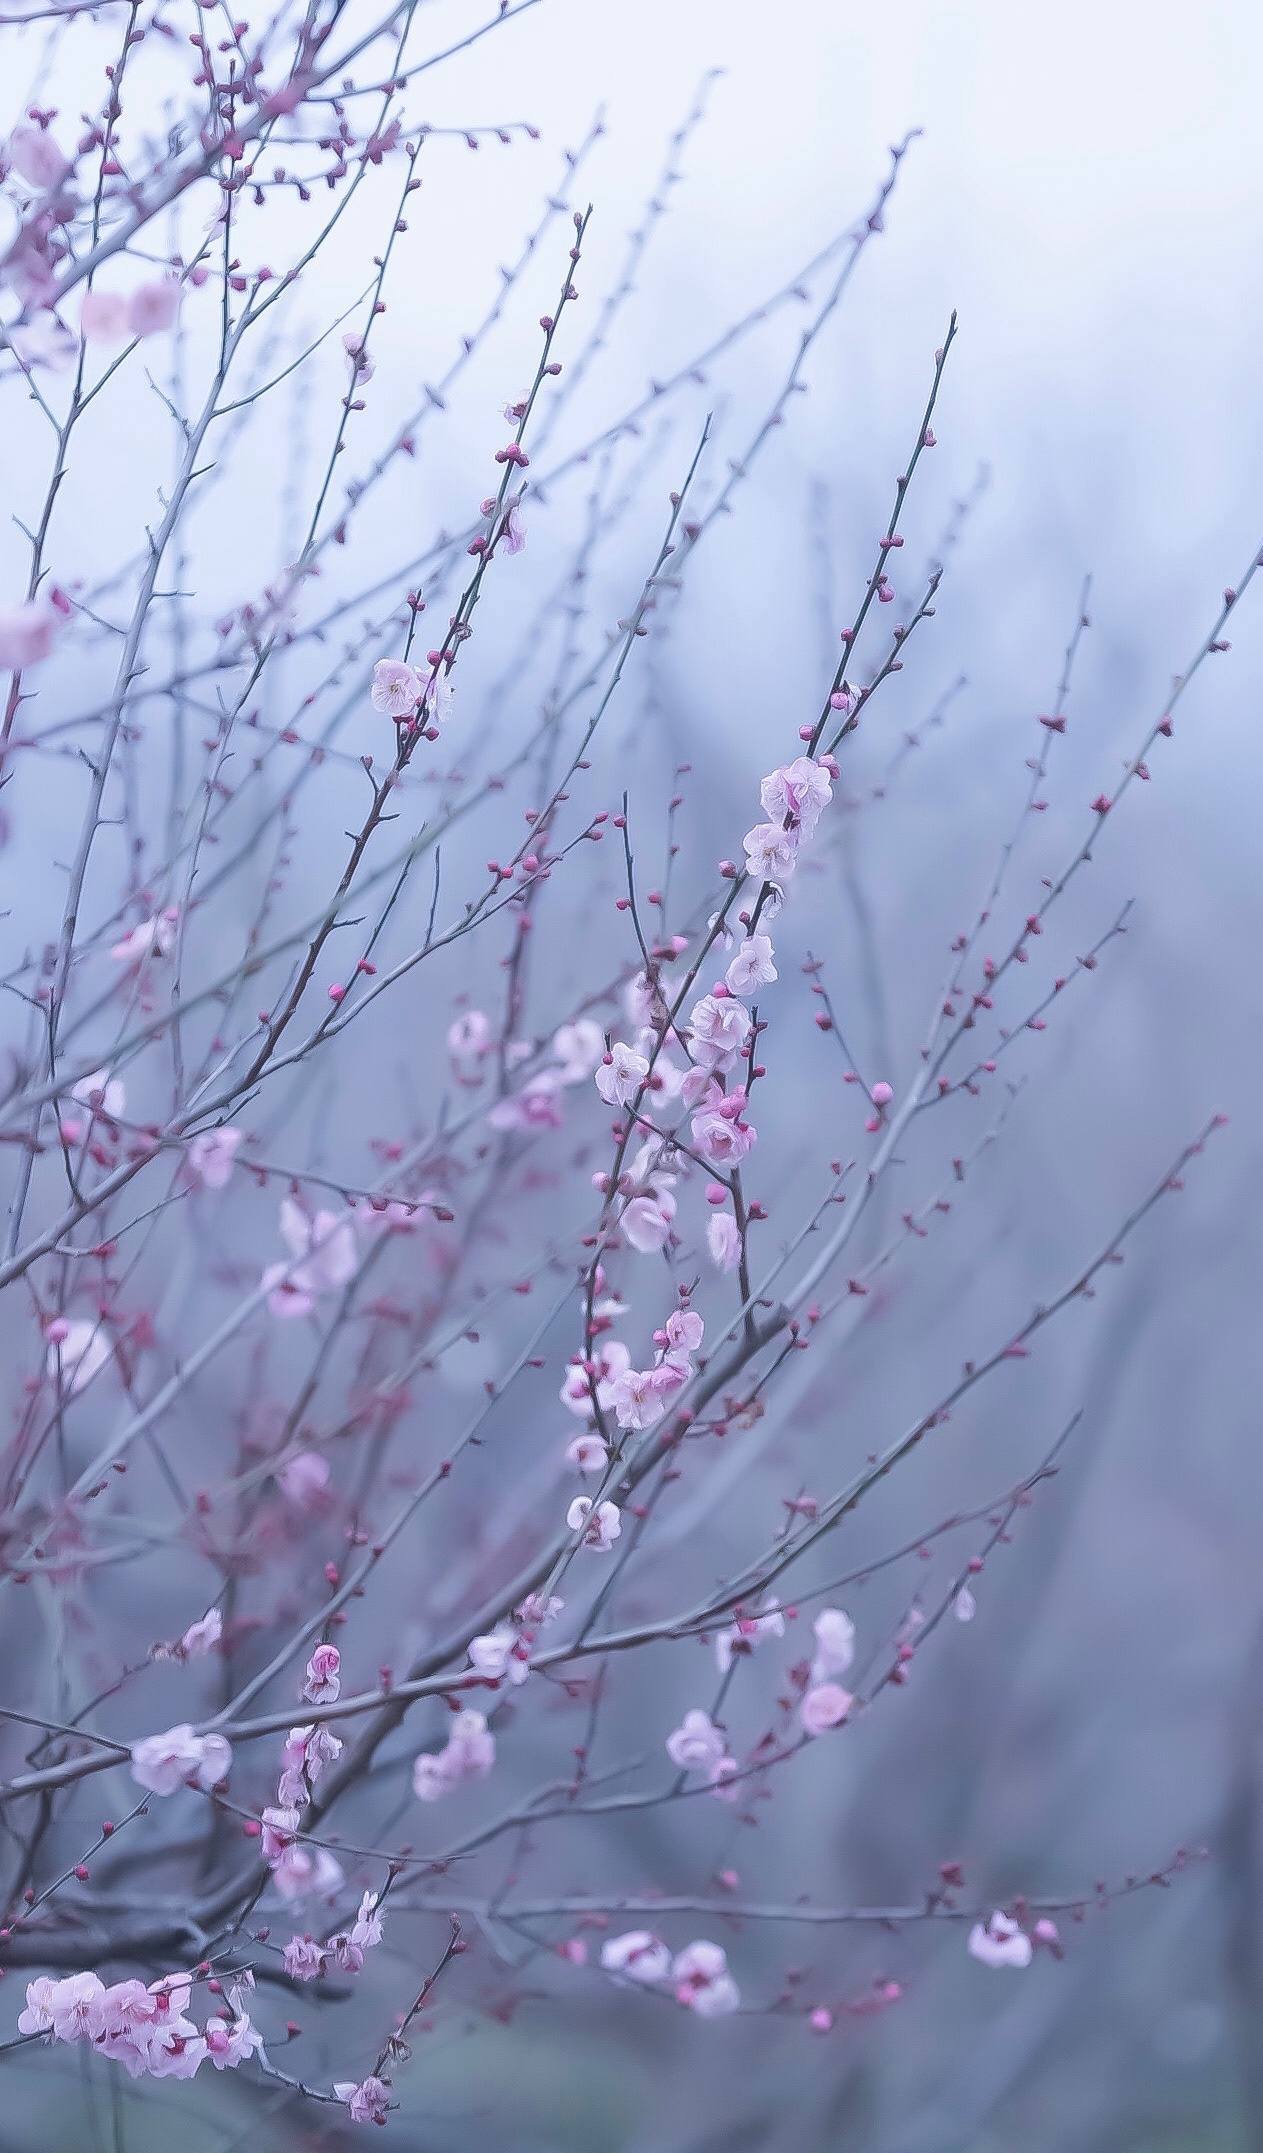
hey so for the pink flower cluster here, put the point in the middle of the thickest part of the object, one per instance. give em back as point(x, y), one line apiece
point(469, 1753)
point(147, 2030)
point(306, 1960)
point(699, 1973)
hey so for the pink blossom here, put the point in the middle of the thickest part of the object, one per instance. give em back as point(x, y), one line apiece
point(101, 1092)
point(351, 1950)
point(367, 2102)
point(637, 1955)
point(34, 155)
point(469, 1036)
point(747, 1630)
point(999, 1942)
point(61, 2008)
point(323, 1256)
point(304, 1479)
point(303, 1959)
point(536, 1106)
point(578, 1047)
point(77, 1351)
point(610, 1360)
point(588, 1454)
point(723, 1239)
point(153, 937)
point(771, 852)
point(702, 1981)
point(637, 1399)
point(231, 2041)
point(601, 1525)
point(501, 1654)
point(824, 1707)
point(397, 688)
point(201, 1637)
point(720, 1136)
point(165, 1762)
point(323, 1684)
point(697, 1744)
point(26, 634)
point(153, 307)
point(620, 1077)
point(105, 316)
point(430, 1777)
point(514, 529)
point(646, 1222)
point(211, 1156)
point(835, 1644)
point(752, 967)
point(684, 1331)
point(964, 1606)
point(720, 1026)
point(362, 366)
point(801, 789)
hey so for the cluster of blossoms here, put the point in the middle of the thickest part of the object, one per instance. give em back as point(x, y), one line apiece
point(163, 1763)
point(468, 1753)
point(717, 1034)
point(305, 1959)
point(147, 2030)
point(504, 1654)
point(697, 1745)
point(300, 1869)
point(826, 1703)
point(699, 1974)
point(999, 1941)
point(606, 1382)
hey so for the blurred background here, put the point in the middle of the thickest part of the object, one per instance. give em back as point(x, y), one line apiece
point(1085, 193)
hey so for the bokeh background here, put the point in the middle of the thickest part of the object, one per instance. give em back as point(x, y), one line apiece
point(1086, 193)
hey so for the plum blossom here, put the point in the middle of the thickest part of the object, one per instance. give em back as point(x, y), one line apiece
point(61, 2008)
point(200, 1638)
point(323, 1683)
point(323, 1256)
point(637, 1955)
point(646, 1222)
point(36, 158)
point(211, 1156)
point(470, 1753)
point(587, 1453)
point(682, 1333)
point(579, 1047)
point(352, 1947)
point(303, 1959)
point(610, 1360)
point(719, 1025)
point(153, 937)
point(801, 789)
point(703, 1982)
point(638, 1398)
point(771, 852)
point(304, 1479)
point(823, 1707)
point(153, 307)
point(367, 2102)
point(469, 1037)
point(835, 1644)
point(696, 1744)
point(723, 1239)
point(719, 1134)
point(746, 1631)
point(513, 530)
point(26, 634)
point(101, 1093)
point(998, 1941)
point(601, 1525)
point(299, 1870)
point(752, 967)
point(501, 1654)
point(397, 688)
point(166, 1762)
point(77, 1351)
point(536, 1106)
point(230, 2041)
point(964, 1606)
point(620, 1074)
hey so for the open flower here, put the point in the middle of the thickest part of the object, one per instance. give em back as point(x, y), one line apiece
point(601, 1525)
point(823, 1707)
point(697, 1744)
point(637, 1955)
point(397, 688)
point(620, 1074)
point(703, 1982)
point(998, 1941)
point(166, 1762)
